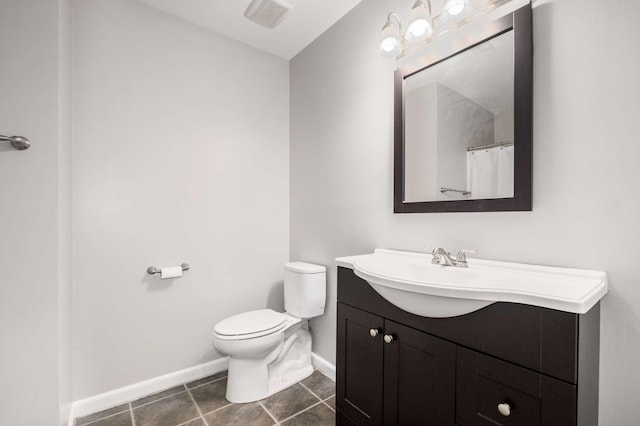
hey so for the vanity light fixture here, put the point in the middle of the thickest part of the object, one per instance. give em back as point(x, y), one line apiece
point(390, 41)
point(419, 27)
point(455, 10)
point(422, 28)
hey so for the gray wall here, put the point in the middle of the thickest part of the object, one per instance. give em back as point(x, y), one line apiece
point(585, 152)
point(35, 287)
point(65, 169)
point(421, 144)
point(180, 155)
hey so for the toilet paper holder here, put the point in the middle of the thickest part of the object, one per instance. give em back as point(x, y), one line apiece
point(153, 270)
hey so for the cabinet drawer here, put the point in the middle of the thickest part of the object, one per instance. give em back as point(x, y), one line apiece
point(494, 392)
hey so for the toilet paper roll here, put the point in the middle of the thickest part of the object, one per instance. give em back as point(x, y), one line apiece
point(170, 272)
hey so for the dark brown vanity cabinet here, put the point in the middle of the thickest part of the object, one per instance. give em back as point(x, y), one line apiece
point(390, 370)
point(506, 364)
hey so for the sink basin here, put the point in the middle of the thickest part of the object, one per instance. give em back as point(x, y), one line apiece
point(411, 282)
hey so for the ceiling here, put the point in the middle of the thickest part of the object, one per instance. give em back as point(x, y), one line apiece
point(304, 23)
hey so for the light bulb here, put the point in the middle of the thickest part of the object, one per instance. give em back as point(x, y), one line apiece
point(419, 28)
point(455, 10)
point(389, 44)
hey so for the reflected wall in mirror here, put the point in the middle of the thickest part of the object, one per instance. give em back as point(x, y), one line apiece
point(464, 142)
point(458, 141)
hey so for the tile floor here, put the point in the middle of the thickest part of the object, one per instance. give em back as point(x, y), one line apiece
point(202, 403)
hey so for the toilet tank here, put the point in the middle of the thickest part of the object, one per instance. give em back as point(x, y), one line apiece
point(305, 289)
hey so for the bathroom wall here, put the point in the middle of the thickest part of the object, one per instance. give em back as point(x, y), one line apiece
point(180, 155)
point(585, 200)
point(421, 156)
point(35, 287)
point(65, 169)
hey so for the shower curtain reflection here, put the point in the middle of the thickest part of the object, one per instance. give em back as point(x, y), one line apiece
point(490, 172)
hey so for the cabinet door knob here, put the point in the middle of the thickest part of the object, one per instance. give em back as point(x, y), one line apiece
point(504, 409)
point(388, 338)
point(374, 332)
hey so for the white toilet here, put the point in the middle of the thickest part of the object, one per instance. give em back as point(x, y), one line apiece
point(268, 350)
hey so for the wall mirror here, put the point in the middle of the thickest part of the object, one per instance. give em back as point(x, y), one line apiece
point(463, 123)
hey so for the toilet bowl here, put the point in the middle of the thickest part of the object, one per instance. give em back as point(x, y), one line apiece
point(268, 350)
point(263, 362)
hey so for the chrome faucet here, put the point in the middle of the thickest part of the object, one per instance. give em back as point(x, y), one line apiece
point(442, 257)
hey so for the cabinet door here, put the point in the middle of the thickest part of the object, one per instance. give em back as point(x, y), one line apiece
point(493, 392)
point(359, 366)
point(419, 374)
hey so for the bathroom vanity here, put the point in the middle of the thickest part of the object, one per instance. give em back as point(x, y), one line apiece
point(503, 364)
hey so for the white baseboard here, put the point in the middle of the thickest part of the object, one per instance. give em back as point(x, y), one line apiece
point(324, 366)
point(113, 398)
point(132, 392)
point(70, 415)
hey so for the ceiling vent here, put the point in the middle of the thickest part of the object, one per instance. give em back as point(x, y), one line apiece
point(268, 13)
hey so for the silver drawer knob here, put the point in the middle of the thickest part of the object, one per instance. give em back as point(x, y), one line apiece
point(388, 338)
point(374, 332)
point(504, 409)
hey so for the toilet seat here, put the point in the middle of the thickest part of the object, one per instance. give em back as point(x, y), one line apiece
point(249, 325)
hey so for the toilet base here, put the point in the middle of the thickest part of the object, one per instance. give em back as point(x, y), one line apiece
point(278, 384)
point(254, 379)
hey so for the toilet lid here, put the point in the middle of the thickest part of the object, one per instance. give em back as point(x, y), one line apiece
point(264, 321)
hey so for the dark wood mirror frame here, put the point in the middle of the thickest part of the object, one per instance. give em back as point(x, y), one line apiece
point(521, 23)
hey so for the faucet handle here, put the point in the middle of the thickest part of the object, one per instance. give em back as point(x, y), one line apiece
point(435, 259)
point(461, 257)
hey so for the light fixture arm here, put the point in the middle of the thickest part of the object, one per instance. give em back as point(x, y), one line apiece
point(397, 18)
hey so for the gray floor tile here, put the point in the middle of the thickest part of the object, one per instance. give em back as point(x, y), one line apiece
point(331, 402)
point(122, 419)
point(106, 413)
point(196, 422)
point(176, 406)
point(251, 414)
point(170, 411)
point(320, 415)
point(320, 384)
point(206, 380)
point(289, 401)
point(157, 396)
point(210, 396)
